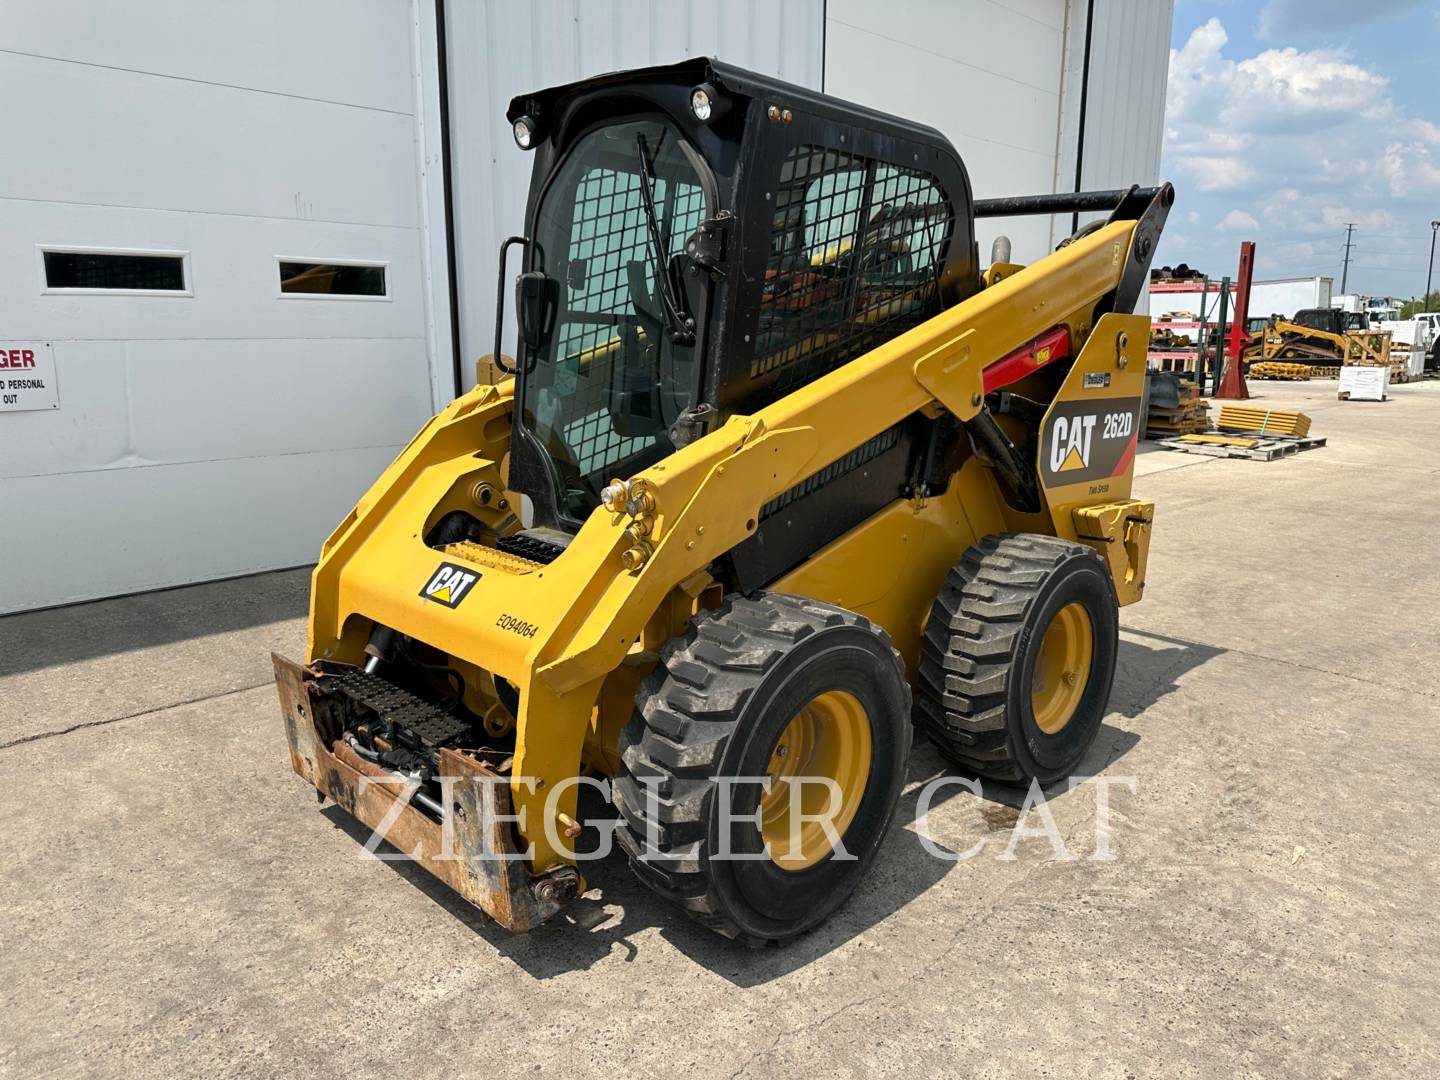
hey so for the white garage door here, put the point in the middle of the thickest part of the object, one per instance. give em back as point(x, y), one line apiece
point(214, 424)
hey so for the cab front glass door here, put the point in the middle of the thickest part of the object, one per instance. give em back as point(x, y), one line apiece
point(601, 394)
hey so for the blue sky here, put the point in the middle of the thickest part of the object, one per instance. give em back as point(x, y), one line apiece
point(1285, 119)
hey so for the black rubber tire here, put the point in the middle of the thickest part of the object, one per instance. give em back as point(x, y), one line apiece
point(978, 656)
point(714, 707)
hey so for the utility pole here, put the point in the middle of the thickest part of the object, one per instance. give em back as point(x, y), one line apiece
point(1425, 303)
point(1345, 273)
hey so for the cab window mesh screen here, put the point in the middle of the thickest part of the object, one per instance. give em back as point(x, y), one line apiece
point(855, 258)
point(601, 340)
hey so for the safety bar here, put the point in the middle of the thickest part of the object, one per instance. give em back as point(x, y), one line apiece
point(1065, 202)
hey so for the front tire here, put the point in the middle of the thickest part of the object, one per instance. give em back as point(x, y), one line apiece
point(773, 687)
point(1018, 658)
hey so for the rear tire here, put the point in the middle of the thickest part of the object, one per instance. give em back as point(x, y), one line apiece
point(1019, 657)
point(746, 685)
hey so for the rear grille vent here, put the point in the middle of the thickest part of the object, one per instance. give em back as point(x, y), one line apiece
point(861, 455)
point(530, 547)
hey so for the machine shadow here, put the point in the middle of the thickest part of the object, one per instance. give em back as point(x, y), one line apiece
point(1149, 667)
point(619, 912)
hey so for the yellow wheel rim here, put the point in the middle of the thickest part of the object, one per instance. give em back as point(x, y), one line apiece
point(829, 738)
point(1062, 669)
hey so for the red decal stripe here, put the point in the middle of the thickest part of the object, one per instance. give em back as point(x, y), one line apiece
point(1050, 346)
point(1127, 457)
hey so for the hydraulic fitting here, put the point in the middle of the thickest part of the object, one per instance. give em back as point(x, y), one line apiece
point(641, 500)
point(615, 495)
point(637, 556)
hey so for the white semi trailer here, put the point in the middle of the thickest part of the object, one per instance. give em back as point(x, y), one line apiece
point(1278, 296)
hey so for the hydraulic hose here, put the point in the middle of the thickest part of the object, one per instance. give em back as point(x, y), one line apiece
point(416, 796)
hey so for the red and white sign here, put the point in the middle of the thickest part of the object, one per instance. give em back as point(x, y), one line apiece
point(27, 376)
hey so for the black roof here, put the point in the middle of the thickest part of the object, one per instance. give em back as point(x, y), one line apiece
point(736, 80)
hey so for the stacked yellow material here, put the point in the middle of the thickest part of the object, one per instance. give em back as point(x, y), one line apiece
point(1192, 415)
point(1275, 369)
point(1260, 420)
point(1221, 440)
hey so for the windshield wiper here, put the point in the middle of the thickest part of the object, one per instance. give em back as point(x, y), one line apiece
point(678, 325)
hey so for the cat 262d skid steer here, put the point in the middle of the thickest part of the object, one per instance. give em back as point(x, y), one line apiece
point(782, 475)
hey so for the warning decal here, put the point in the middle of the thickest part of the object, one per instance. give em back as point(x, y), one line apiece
point(27, 376)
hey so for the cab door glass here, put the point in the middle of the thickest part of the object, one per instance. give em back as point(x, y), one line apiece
point(609, 382)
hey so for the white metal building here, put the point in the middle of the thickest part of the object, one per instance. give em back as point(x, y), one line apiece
point(245, 249)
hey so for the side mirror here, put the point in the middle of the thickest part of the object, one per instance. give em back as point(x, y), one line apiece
point(536, 299)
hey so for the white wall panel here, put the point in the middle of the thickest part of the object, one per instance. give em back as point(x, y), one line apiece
point(87, 534)
point(134, 404)
point(330, 50)
point(1002, 79)
point(91, 427)
point(501, 48)
point(986, 73)
point(1129, 67)
point(235, 278)
point(1125, 106)
point(119, 138)
point(280, 397)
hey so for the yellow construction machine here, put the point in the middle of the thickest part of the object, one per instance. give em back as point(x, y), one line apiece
point(1318, 337)
point(782, 475)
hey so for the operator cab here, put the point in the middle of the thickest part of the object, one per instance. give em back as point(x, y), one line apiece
point(701, 240)
point(1328, 320)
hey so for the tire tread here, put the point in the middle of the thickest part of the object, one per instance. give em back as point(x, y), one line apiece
point(687, 710)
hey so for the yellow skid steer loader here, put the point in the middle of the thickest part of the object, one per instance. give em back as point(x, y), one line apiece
point(782, 475)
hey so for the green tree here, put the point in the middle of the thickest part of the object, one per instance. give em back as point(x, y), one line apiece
point(1430, 303)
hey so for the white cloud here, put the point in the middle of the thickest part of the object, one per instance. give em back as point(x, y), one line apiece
point(1289, 145)
point(1287, 114)
point(1218, 173)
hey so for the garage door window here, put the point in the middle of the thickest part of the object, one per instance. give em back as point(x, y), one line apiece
point(78, 270)
point(314, 278)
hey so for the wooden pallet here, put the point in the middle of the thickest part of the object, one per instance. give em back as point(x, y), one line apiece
point(1255, 446)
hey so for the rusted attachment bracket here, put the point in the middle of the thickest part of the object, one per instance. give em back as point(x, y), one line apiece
point(472, 848)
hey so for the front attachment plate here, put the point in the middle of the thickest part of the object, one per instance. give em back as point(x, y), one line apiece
point(473, 849)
